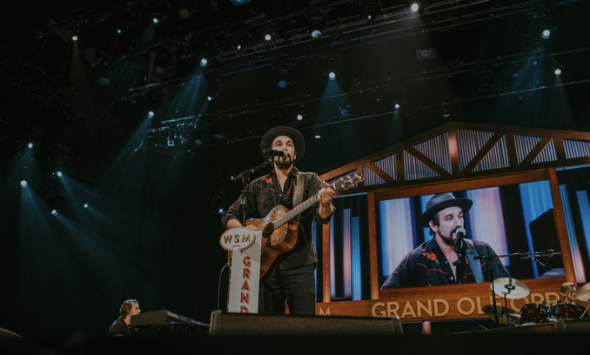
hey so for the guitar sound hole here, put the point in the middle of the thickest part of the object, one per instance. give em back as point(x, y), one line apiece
point(268, 230)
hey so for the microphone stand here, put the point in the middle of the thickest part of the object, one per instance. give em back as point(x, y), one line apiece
point(460, 249)
point(245, 177)
point(527, 255)
point(491, 273)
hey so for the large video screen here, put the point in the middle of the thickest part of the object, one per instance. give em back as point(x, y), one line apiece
point(415, 245)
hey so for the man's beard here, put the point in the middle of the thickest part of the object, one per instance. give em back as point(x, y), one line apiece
point(284, 163)
point(448, 240)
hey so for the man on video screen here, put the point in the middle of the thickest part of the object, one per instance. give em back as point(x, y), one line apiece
point(448, 258)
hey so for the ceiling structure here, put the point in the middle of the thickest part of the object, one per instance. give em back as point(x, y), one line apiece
point(463, 60)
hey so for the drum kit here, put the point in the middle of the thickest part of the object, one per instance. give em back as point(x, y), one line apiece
point(531, 313)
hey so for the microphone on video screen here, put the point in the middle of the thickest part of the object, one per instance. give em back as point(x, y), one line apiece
point(460, 232)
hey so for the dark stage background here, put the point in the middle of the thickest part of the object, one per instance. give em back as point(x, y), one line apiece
point(151, 228)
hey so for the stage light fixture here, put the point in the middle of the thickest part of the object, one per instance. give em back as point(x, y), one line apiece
point(59, 174)
point(213, 89)
point(204, 62)
point(74, 38)
point(156, 20)
point(397, 106)
point(185, 11)
point(332, 76)
point(369, 9)
point(299, 117)
point(221, 211)
point(151, 114)
point(54, 212)
point(30, 145)
point(282, 70)
point(414, 7)
point(315, 34)
point(24, 183)
point(557, 71)
point(85, 205)
point(546, 33)
point(268, 37)
point(119, 31)
point(239, 2)
point(240, 40)
point(170, 142)
point(316, 25)
point(318, 136)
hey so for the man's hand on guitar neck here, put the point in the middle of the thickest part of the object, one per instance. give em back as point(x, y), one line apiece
point(234, 223)
point(325, 196)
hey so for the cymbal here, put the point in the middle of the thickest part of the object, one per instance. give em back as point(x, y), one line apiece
point(503, 314)
point(583, 293)
point(511, 288)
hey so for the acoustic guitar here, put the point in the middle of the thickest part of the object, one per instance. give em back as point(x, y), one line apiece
point(280, 232)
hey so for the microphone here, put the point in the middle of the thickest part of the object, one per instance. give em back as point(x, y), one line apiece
point(460, 232)
point(275, 153)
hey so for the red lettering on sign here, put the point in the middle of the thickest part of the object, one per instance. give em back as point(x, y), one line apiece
point(245, 286)
point(245, 297)
point(246, 273)
point(247, 261)
point(244, 309)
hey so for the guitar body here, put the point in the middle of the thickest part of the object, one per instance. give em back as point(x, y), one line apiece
point(280, 241)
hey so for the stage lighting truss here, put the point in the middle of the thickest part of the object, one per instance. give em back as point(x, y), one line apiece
point(440, 16)
point(174, 131)
point(50, 91)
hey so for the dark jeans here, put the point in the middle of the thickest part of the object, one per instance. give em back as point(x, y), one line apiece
point(296, 286)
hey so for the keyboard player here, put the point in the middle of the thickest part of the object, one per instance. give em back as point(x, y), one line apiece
point(120, 327)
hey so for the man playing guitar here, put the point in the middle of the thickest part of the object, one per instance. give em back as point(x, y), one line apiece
point(291, 277)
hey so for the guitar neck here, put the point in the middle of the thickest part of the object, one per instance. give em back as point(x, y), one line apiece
point(341, 184)
point(296, 211)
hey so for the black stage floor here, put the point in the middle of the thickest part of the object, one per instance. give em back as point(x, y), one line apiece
point(403, 344)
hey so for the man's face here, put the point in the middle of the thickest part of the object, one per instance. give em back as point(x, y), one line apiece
point(134, 309)
point(570, 296)
point(449, 219)
point(284, 143)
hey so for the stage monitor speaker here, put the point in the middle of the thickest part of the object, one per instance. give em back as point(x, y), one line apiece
point(235, 324)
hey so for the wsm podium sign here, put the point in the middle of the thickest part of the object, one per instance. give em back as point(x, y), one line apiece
point(244, 248)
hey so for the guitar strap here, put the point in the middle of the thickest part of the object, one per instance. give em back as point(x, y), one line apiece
point(298, 192)
point(475, 264)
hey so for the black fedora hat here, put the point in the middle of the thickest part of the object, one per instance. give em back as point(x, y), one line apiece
point(292, 133)
point(438, 203)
